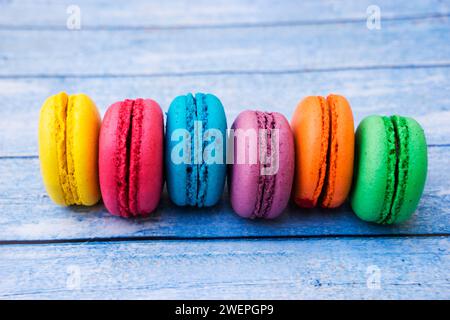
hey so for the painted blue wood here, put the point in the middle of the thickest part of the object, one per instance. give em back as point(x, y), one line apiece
point(408, 268)
point(184, 13)
point(251, 53)
point(28, 214)
point(161, 52)
point(421, 93)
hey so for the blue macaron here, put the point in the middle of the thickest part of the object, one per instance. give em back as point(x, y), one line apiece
point(195, 150)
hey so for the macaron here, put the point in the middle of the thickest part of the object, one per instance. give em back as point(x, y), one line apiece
point(390, 169)
point(69, 126)
point(324, 151)
point(131, 157)
point(260, 177)
point(195, 155)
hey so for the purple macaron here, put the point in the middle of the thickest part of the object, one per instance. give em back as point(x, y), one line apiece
point(261, 175)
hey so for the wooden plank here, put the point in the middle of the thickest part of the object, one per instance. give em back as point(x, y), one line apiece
point(161, 52)
point(27, 214)
point(409, 268)
point(421, 93)
point(183, 13)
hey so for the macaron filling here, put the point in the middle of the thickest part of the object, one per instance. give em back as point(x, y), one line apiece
point(127, 156)
point(311, 200)
point(324, 152)
point(191, 168)
point(64, 141)
point(69, 148)
point(266, 183)
point(60, 136)
point(327, 193)
point(196, 170)
point(391, 163)
point(397, 161)
point(135, 155)
point(202, 115)
point(402, 164)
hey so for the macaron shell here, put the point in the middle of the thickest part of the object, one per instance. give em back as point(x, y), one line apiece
point(310, 126)
point(85, 128)
point(341, 153)
point(150, 167)
point(285, 173)
point(243, 178)
point(370, 169)
point(414, 157)
point(176, 176)
point(49, 128)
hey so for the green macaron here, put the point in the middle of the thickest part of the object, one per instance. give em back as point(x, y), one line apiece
point(390, 169)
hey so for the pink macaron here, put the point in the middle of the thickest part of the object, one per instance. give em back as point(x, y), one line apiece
point(260, 178)
point(131, 157)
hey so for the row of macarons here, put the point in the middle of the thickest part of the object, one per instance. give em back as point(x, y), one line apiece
point(319, 159)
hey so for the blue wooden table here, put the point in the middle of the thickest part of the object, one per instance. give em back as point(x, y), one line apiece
point(252, 54)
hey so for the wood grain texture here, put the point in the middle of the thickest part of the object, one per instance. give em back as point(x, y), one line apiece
point(141, 52)
point(420, 93)
point(414, 268)
point(203, 13)
point(30, 215)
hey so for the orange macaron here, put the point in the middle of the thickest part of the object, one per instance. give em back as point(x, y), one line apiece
point(324, 149)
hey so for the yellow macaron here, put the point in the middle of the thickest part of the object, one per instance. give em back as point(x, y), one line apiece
point(69, 129)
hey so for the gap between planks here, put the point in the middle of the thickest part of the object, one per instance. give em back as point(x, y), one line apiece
point(215, 238)
point(240, 25)
point(445, 64)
